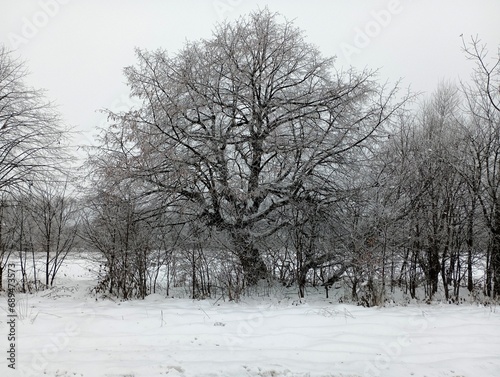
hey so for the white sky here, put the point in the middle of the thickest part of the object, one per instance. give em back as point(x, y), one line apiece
point(77, 49)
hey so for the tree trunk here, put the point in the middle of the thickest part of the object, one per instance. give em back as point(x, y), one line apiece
point(251, 261)
point(487, 289)
point(301, 280)
point(253, 265)
point(470, 246)
point(444, 275)
point(354, 291)
point(433, 272)
point(495, 264)
point(413, 274)
point(495, 253)
point(457, 281)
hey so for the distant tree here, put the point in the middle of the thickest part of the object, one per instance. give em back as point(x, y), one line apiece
point(432, 191)
point(56, 218)
point(111, 228)
point(234, 128)
point(23, 246)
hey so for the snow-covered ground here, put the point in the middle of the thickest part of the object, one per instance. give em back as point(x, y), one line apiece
point(66, 332)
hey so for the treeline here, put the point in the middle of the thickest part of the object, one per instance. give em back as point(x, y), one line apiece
point(253, 158)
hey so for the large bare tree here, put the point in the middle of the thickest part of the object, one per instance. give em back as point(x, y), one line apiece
point(31, 139)
point(235, 127)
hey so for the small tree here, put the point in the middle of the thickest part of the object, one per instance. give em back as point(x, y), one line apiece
point(483, 103)
point(54, 213)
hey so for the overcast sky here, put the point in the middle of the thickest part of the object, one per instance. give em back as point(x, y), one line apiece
point(77, 49)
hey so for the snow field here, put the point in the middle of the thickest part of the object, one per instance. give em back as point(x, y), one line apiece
point(66, 332)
